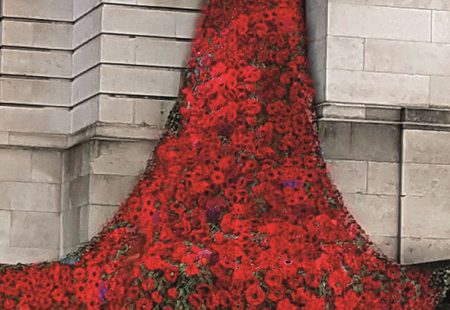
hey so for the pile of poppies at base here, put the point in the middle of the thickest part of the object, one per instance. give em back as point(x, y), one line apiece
point(235, 209)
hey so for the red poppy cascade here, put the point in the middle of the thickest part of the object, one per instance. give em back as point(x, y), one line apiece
point(235, 210)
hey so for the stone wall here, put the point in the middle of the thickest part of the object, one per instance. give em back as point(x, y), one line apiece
point(86, 86)
point(85, 89)
point(382, 72)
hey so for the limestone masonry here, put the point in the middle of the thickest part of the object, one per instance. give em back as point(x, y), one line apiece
point(86, 87)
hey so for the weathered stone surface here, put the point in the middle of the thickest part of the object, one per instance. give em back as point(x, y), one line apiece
point(407, 57)
point(35, 230)
point(35, 91)
point(426, 180)
point(36, 34)
point(431, 147)
point(116, 110)
point(377, 214)
point(349, 175)
point(360, 141)
point(13, 255)
point(86, 85)
point(379, 22)
point(345, 53)
point(70, 228)
point(84, 114)
point(81, 7)
point(34, 120)
point(87, 27)
point(441, 24)
point(46, 166)
point(377, 88)
point(79, 190)
point(5, 228)
point(383, 178)
point(76, 162)
point(110, 189)
point(160, 52)
point(386, 245)
point(139, 81)
point(342, 111)
point(39, 9)
point(86, 56)
point(15, 165)
point(439, 91)
point(38, 140)
point(152, 112)
point(23, 196)
point(426, 217)
point(98, 217)
point(316, 19)
point(132, 20)
point(120, 158)
point(413, 4)
point(420, 250)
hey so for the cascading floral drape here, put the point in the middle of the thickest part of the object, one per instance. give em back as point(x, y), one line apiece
point(235, 209)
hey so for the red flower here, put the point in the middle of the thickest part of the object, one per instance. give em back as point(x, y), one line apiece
point(255, 295)
point(157, 297)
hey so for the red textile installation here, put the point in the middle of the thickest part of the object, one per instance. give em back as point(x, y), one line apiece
point(235, 210)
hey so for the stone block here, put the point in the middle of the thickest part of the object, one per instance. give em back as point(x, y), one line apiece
point(110, 189)
point(76, 162)
point(349, 176)
point(377, 214)
point(440, 91)
point(87, 27)
point(13, 255)
point(181, 4)
point(343, 111)
point(81, 7)
point(317, 55)
point(414, 4)
point(152, 113)
point(383, 178)
point(430, 180)
point(137, 21)
point(139, 81)
point(428, 147)
point(46, 166)
point(79, 192)
point(377, 88)
point(345, 53)
point(386, 245)
point(86, 56)
point(36, 63)
point(84, 114)
point(316, 19)
point(379, 22)
point(383, 113)
point(37, 34)
point(407, 57)
point(37, 91)
point(441, 24)
point(35, 230)
point(4, 137)
point(421, 250)
point(116, 109)
point(61, 10)
point(39, 197)
point(86, 85)
point(124, 132)
point(120, 158)
point(119, 49)
point(5, 228)
point(426, 217)
point(15, 165)
point(160, 52)
point(98, 217)
point(70, 228)
point(38, 140)
point(360, 141)
point(34, 120)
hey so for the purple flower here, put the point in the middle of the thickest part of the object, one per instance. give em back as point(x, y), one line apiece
point(291, 183)
point(102, 292)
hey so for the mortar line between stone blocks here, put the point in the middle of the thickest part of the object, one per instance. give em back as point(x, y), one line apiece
point(400, 195)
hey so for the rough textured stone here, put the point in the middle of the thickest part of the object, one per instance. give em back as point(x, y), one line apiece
point(85, 114)
point(377, 214)
point(15, 165)
point(5, 228)
point(350, 176)
point(70, 228)
point(110, 189)
point(379, 22)
point(46, 166)
point(23, 196)
point(383, 178)
point(386, 245)
point(377, 88)
point(35, 230)
point(420, 250)
point(345, 53)
point(120, 158)
point(79, 192)
point(98, 217)
point(116, 110)
point(426, 180)
point(152, 112)
point(431, 147)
